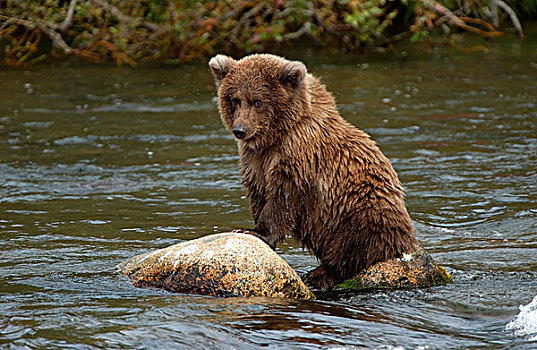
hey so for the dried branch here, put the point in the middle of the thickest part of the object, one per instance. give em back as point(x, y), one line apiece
point(438, 8)
point(118, 56)
point(114, 11)
point(232, 14)
point(478, 21)
point(68, 21)
point(494, 13)
point(57, 40)
point(305, 29)
point(244, 19)
point(460, 22)
point(512, 15)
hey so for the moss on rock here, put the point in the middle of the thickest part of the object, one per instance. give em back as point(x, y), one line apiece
point(413, 270)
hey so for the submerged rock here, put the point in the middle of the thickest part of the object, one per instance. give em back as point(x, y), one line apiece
point(414, 270)
point(225, 264)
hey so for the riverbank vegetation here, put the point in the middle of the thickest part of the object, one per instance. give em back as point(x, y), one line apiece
point(180, 31)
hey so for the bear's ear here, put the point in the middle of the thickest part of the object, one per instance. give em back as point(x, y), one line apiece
point(220, 66)
point(293, 73)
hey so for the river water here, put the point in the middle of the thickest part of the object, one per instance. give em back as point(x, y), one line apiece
point(98, 164)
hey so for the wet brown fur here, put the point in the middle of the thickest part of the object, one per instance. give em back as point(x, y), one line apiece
point(308, 172)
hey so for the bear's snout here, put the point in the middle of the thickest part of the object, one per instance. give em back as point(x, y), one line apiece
point(239, 131)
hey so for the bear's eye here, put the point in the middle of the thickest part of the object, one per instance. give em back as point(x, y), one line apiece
point(257, 103)
point(235, 101)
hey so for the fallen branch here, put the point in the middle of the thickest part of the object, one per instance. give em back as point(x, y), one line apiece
point(69, 18)
point(512, 15)
point(57, 40)
point(494, 13)
point(247, 16)
point(305, 29)
point(440, 9)
point(479, 21)
point(460, 22)
point(118, 56)
point(114, 11)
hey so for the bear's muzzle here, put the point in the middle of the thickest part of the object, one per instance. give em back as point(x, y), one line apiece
point(239, 131)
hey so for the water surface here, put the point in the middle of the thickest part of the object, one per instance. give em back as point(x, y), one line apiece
point(98, 164)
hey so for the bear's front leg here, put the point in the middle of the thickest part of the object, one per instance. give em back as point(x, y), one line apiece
point(275, 220)
point(274, 212)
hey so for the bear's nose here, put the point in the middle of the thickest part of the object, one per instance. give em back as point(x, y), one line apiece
point(239, 131)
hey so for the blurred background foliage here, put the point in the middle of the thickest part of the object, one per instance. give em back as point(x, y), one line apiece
point(179, 31)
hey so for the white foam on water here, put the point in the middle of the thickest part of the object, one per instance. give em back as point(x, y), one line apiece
point(525, 324)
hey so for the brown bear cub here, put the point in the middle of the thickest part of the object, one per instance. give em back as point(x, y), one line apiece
point(308, 172)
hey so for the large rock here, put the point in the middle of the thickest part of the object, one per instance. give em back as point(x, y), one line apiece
point(225, 264)
point(414, 270)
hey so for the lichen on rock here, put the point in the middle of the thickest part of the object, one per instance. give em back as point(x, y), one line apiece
point(226, 264)
point(415, 269)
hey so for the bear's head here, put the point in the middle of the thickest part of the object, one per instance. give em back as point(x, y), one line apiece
point(260, 97)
